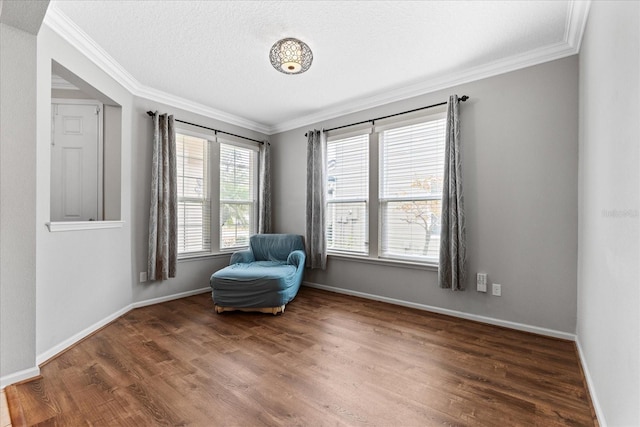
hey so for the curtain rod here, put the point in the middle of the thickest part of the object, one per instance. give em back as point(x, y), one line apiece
point(151, 114)
point(463, 98)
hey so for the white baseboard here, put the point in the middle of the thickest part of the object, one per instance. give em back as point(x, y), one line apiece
point(19, 376)
point(448, 312)
point(35, 371)
point(158, 300)
point(64, 345)
point(592, 389)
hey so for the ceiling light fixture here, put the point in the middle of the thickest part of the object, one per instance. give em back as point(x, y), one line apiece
point(291, 56)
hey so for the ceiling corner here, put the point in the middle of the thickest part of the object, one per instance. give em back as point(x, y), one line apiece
point(576, 22)
point(203, 110)
point(76, 37)
point(72, 34)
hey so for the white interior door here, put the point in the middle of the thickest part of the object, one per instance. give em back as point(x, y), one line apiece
point(75, 162)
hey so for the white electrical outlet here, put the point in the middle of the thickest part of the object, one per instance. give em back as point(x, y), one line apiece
point(481, 282)
point(496, 290)
point(143, 276)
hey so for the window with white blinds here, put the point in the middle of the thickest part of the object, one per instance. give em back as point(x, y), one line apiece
point(194, 204)
point(411, 175)
point(347, 215)
point(238, 194)
point(204, 166)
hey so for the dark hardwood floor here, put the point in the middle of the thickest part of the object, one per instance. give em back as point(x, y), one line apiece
point(329, 360)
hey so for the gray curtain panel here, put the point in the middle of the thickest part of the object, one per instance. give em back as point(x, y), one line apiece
point(315, 242)
point(163, 213)
point(264, 196)
point(453, 246)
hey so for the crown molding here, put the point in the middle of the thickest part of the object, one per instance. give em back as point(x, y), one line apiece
point(76, 37)
point(71, 33)
point(576, 22)
point(197, 108)
point(513, 63)
point(577, 15)
point(574, 29)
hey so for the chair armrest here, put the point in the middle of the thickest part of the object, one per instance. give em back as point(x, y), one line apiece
point(245, 255)
point(296, 258)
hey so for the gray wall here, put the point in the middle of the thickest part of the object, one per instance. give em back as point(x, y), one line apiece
point(191, 274)
point(82, 277)
point(112, 162)
point(85, 277)
point(19, 24)
point(520, 148)
point(608, 291)
point(17, 199)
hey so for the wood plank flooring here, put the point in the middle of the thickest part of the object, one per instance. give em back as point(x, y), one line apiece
point(329, 360)
point(5, 420)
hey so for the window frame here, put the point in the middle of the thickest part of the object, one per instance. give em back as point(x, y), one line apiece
point(423, 119)
point(208, 164)
point(253, 221)
point(375, 200)
point(213, 164)
point(333, 138)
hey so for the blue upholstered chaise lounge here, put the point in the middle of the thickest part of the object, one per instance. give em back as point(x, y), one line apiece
point(263, 278)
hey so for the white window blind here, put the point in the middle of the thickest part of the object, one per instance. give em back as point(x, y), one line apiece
point(348, 194)
point(238, 182)
point(412, 167)
point(194, 205)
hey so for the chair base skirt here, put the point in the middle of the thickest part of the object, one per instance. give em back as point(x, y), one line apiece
point(272, 310)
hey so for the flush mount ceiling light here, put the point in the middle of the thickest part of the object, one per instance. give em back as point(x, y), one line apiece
point(291, 56)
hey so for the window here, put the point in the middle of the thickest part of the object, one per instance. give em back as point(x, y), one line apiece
point(194, 203)
point(217, 184)
point(348, 194)
point(237, 195)
point(412, 166)
point(406, 174)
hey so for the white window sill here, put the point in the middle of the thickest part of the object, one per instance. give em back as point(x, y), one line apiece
point(385, 261)
point(82, 225)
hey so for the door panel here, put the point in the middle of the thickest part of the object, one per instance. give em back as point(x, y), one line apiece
point(72, 125)
point(74, 162)
point(72, 183)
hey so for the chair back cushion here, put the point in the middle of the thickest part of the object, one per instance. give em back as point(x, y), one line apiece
point(275, 247)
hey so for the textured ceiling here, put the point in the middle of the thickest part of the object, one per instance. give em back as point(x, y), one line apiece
point(214, 54)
